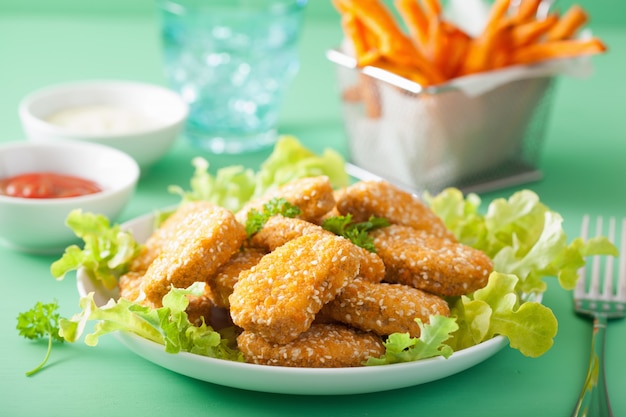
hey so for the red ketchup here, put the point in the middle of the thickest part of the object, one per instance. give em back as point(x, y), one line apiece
point(47, 185)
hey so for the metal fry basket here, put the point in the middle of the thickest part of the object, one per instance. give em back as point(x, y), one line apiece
point(433, 138)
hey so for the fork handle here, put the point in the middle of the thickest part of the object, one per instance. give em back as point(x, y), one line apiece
point(594, 397)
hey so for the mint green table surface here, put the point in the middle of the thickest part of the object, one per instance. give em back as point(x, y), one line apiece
point(584, 166)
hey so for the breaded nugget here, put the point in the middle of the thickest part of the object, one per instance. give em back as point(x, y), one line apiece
point(279, 297)
point(279, 230)
point(206, 236)
point(384, 308)
point(153, 246)
point(200, 307)
point(382, 199)
point(421, 260)
point(322, 346)
point(221, 284)
point(312, 195)
point(129, 286)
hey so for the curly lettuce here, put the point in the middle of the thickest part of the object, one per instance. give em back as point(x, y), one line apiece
point(401, 347)
point(107, 251)
point(168, 325)
point(231, 187)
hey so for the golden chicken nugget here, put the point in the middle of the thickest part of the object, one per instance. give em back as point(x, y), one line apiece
point(417, 258)
point(129, 286)
point(200, 307)
point(384, 308)
point(206, 237)
point(222, 283)
point(382, 199)
point(166, 232)
point(279, 230)
point(312, 195)
point(279, 297)
point(321, 346)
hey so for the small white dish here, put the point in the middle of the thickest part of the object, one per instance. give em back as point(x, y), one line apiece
point(285, 380)
point(140, 119)
point(37, 225)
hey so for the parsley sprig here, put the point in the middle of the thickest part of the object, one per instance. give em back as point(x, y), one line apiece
point(276, 206)
point(40, 322)
point(357, 233)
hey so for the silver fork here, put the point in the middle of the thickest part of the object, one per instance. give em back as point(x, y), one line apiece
point(595, 296)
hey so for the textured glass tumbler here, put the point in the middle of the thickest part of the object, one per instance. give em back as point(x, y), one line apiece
point(231, 61)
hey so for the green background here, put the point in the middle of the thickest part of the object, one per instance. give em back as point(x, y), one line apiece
point(604, 12)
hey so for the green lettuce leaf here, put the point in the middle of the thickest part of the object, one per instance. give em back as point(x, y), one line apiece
point(168, 325)
point(497, 309)
point(233, 186)
point(400, 347)
point(229, 188)
point(290, 161)
point(107, 252)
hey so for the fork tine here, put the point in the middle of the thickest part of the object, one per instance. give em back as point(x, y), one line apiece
point(608, 271)
point(581, 282)
point(594, 286)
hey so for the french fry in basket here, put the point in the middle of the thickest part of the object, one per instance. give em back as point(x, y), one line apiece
point(391, 43)
point(491, 43)
point(415, 20)
point(436, 50)
point(567, 26)
point(531, 31)
point(526, 11)
point(354, 29)
point(451, 49)
point(557, 49)
point(370, 95)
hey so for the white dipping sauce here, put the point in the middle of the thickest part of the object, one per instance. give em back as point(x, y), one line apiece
point(100, 119)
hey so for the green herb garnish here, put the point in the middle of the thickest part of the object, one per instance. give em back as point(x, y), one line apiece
point(276, 206)
point(40, 322)
point(357, 233)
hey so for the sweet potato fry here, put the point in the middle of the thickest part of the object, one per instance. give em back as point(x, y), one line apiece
point(526, 11)
point(352, 94)
point(567, 26)
point(392, 43)
point(353, 28)
point(481, 56)
point(456, 46)
point(497, 15)
point(415, 21)
point(432, 8)
point(530, 32)
point(370, 96)
point(435, 50)
point(488, 51)
point(558, 49)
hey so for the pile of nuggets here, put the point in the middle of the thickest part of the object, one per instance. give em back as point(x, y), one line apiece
point(299, 295)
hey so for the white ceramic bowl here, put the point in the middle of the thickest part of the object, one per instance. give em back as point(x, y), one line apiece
point(38, 225)
point(140, 119)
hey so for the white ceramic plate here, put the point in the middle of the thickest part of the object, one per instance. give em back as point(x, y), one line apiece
point(286, 380)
